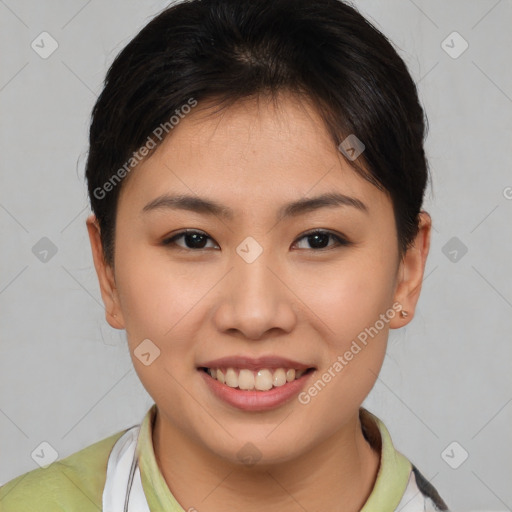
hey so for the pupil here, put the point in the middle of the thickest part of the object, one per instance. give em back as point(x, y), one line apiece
point(195, 237)
point(315, 237)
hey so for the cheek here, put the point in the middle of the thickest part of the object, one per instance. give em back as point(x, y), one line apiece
point(356, 304)
point(351, 295)
point(351, 299)
point(158, 304)
point(355, 345)
point(156, 298)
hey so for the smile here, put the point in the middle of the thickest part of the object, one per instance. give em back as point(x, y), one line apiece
point(263, 379)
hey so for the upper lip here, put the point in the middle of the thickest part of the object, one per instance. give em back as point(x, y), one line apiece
point(252, 363)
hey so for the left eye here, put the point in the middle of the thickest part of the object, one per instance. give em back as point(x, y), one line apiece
point(318, 239)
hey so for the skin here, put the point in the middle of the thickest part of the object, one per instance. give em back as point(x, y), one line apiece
point(294, 301)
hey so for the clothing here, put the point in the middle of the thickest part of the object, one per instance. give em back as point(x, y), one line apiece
point(95, 478)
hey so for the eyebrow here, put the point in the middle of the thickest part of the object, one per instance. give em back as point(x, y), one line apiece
point(209, 207)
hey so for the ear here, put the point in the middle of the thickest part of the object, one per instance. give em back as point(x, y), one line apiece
point(410, 272)
point(106, 276)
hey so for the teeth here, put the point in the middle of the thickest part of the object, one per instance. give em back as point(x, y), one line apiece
point(279, 377)
point(246, 379)
point(262, 380)
point(231, 378)
point(290, 375)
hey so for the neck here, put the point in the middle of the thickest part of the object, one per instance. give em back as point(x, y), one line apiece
point(338, 474)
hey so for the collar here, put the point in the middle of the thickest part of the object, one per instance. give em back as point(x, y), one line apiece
point(394, 469)
point(391, 482)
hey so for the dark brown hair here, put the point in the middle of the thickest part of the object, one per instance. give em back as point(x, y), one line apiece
point(226, 50)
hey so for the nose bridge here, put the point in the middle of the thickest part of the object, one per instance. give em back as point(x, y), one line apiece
point(254, 284)
point(254, 300)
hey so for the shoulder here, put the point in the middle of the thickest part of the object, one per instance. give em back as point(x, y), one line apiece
point(73, 483)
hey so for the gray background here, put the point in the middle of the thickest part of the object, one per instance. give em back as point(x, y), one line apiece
point(66, 377)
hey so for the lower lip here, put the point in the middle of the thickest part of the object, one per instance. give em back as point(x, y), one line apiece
point(256, 400)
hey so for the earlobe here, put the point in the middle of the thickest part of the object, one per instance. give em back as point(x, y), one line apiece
point(411, 271)
point(105, 274)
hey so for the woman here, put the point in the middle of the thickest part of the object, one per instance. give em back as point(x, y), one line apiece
point(256, 172)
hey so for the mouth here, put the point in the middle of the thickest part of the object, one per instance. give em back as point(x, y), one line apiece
point(264, 379)
point(255, 384)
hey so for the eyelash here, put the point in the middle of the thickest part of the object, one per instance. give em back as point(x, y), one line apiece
point(340, 240)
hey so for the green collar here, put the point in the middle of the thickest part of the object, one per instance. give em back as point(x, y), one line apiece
point(394, 469)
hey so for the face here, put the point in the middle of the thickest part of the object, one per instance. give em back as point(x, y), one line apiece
point(266, 282)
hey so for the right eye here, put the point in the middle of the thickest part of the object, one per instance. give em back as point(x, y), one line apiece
point(194, 240)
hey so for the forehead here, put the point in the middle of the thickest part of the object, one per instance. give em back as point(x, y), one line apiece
point(256, 151)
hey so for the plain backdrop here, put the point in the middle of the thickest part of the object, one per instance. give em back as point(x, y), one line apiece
point(445, 390)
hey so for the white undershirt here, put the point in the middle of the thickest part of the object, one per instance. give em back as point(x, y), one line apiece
point(118, 475)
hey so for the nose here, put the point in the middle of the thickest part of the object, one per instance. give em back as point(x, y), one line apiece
point(255, 300)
